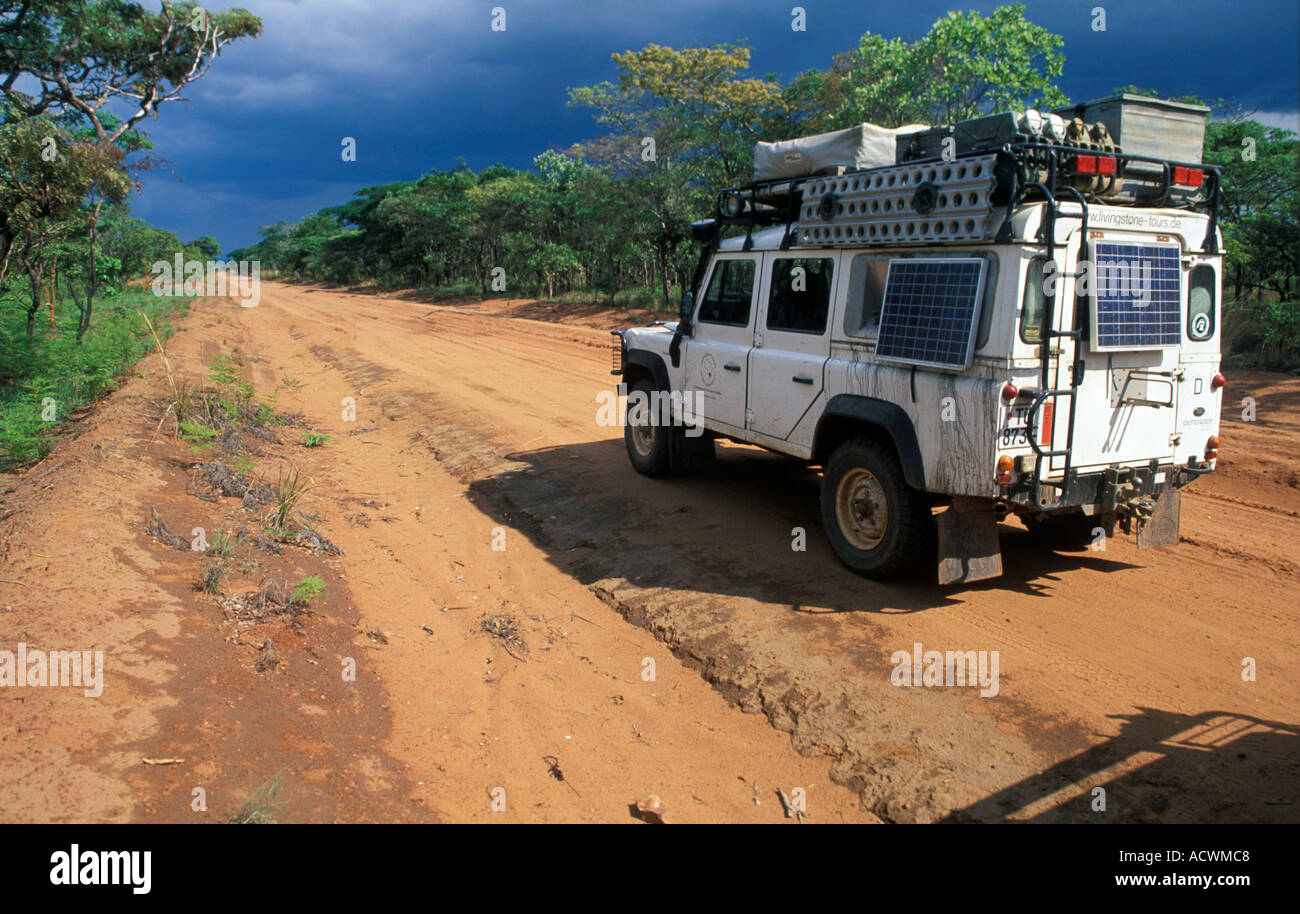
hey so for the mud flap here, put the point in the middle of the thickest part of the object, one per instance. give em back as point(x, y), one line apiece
point(1161, 528)
point(692, 454)
point(968, 542)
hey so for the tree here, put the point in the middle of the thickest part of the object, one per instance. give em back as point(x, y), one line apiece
point(1261, 190)
point(84, 53)
point(45, 175)
point(694, 103)
point(69, 58)
point(966, 65)
point(205, 248)
point(685, 123)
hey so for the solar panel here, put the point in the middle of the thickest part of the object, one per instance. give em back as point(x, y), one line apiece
point(929, 311)
point(1137, 296)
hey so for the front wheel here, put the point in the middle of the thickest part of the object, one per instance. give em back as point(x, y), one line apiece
point(649, 443)
point(877, 525)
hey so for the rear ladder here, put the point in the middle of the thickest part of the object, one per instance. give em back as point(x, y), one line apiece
point(1049, 334)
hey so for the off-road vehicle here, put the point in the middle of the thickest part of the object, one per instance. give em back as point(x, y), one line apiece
point(1018, 314)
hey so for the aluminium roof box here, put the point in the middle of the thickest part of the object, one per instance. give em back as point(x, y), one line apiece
point(1148, 126)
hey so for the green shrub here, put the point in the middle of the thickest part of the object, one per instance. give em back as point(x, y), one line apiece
point(45, 379)
point(308, 589)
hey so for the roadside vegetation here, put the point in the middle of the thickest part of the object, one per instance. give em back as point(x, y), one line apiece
point(261, 803)
point(46, 378)
point(68, 243)
point(229, 428)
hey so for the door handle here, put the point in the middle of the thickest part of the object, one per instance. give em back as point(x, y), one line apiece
point(731, 366)
point(802, 379)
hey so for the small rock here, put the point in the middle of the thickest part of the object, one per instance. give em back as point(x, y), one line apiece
point(653, 810)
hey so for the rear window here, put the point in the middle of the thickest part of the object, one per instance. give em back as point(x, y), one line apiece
point(1200, 304)
point(867, 276)
point(1035, 303)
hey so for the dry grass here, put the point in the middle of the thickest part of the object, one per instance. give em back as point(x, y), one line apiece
point(505, 628)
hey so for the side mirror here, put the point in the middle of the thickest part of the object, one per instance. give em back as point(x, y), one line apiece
point(688, 306)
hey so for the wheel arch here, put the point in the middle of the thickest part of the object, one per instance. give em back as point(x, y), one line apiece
point(849, 416)
point(640, 364)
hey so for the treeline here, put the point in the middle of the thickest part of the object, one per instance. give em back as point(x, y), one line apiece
point(612, 215)
point(609, 219)
point(566, 226)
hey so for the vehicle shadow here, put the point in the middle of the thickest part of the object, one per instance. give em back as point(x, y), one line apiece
point(749, 526)
point(1163, 767)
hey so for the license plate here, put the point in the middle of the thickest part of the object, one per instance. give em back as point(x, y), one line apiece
point(1015, 431)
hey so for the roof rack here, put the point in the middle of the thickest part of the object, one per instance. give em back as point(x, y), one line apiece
point(969, 198)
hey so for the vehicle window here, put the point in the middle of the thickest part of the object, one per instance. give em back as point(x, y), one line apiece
point(930, 311)
point(800, 294)
point(867, 276)
point(1031, 315)
point(990, 294)
point(730, 292)
point(1200, 304)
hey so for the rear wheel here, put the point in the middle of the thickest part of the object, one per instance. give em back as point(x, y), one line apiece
point(877, 525)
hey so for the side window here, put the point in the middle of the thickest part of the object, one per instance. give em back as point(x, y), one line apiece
point(867, 276)
point(1200, 304)
point(990, 298)
point(1031, 314)
point(730, 292)
point(800, 294)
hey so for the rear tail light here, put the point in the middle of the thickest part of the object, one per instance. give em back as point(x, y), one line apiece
point(1003, 475)
point(1217, 381)
point(1188, 177)
point(1095, 165)
point(1009, 392)
point(1212, 447)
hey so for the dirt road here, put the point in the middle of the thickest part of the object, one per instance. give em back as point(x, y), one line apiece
point(467, 479)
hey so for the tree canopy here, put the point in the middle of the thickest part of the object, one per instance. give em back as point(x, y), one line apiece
point(65, 154)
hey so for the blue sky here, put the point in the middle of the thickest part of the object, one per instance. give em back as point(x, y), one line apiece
point(421, 83)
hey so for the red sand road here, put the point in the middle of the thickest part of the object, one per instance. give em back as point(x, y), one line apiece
point(475, 427)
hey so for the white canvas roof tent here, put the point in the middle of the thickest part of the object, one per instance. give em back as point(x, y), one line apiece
point(861, 146)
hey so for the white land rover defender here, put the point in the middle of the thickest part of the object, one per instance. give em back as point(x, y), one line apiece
point(1013, 314)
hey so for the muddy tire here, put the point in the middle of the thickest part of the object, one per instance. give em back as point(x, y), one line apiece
point(649, 446)
point(877, 525)
point(1069, 532)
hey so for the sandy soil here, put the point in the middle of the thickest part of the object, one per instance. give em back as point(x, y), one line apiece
point(474, 482)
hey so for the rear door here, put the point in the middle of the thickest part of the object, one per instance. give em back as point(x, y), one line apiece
point(1133, 310)
point(790, 349)
point(716, 354)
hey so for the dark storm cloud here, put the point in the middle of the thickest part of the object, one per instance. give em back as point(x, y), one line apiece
point(421, 84)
